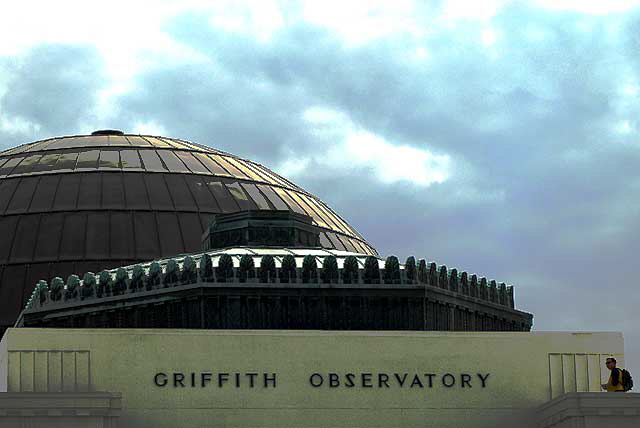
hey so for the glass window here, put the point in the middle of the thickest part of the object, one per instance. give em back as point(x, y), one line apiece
point(58, 144)
point(203, 197)
point(328, 219)
point(222, 196)
point(245, 170)
point(7, 189)
point(211, 165)
point(130, 159)
point(47, 162)
point(41, 145)
point(135, 191)
point(180, 194)
point(347, 243)
point(170, 238)
point(49, 236)
point(324, 241)
point(67, 192)
point(301, 199)
point(3, 161)
point(27, 164)
point(156, 142)
point(348, 230)
point(89, 140)
point(158, 192)
point(10, 165)
point(15, 150)
point(241, 197)
point(253, 167)
point(151, 161)
point(226, 165)
point(335, 242)
point(187, 144)
point(23, 195)
point(88, 159)
point(117, 140)
point(173, 163)
point(97, 235)
point(25, 241)
point(271, 177)
point(109, 159)
point(137, 141)
point(171, 143)
point(292, 204)
point(147, 246)
point(90, 194)
point(359, 247)
point(121, 237)
point(7, 229)
point(191, 231)
point(192, 163)
point(257, 197)
point(112, 191)
point(340, 225)
point(67, 161)
point(44, 194)
point(73, 236)
point(275, 200)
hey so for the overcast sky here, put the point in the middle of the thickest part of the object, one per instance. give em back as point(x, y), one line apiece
point(497, 138)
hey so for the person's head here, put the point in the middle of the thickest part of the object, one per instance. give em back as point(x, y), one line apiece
point(610, 362)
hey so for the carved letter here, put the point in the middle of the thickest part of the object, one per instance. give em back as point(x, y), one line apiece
point(483, 379)
point(318, 380)
point(160, 379)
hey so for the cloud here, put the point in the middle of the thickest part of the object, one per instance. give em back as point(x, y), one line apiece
point(50, 90)
point(503, 141)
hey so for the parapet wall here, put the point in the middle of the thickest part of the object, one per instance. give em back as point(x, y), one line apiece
point(225, 268)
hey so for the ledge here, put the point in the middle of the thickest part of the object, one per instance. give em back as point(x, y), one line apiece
point(33, 404)
point(590, 405)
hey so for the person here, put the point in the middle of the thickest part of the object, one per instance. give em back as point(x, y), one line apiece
point(615, 378)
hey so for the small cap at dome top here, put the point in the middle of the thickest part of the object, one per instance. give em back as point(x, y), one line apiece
point(107, 132)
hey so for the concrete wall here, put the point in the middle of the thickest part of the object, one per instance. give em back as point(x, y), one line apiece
point(591, 410)
point(519, 371)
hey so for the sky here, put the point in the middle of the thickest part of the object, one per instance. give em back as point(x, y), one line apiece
point(500, 138)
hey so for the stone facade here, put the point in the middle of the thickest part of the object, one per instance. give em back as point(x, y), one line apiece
point(591, 410)
point(59, 410)
point(242, 378)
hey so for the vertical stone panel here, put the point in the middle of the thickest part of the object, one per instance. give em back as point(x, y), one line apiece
point(582, 373)
point(26, 371)
point(594, 369)
point(569, 372)
point(41, 372)
point(82, 371)
point(55, 371)
point(68, 371)
point(556, 378)
point(13, 384)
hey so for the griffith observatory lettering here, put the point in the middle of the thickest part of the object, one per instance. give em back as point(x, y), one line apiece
point(329, 380)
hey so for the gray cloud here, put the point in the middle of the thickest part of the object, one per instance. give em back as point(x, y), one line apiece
point(542, 191)
point(53, 89)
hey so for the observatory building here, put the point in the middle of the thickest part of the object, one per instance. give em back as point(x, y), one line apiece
point(152, 281)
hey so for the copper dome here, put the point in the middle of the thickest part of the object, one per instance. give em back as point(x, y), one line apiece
point(92, 202)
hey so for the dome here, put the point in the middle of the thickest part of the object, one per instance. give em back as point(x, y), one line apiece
point(92, 202)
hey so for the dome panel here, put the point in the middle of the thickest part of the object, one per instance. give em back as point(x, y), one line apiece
point(92, 202)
